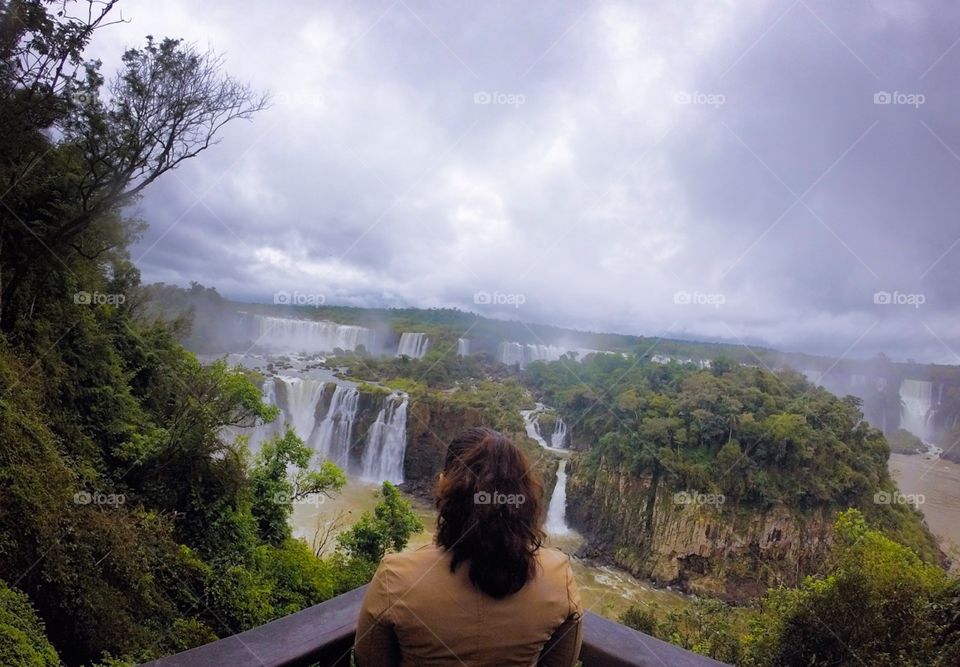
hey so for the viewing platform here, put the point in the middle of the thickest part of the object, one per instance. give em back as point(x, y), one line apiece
point(323, 635)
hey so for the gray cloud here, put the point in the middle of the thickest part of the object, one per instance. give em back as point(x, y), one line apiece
point(600, 160)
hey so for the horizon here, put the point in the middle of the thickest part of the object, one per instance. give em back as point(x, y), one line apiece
point(747, 344)
point(771, 172)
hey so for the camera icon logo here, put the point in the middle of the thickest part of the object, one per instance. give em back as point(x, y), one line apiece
point(882, 97)
point(882, 298)
point(482, 97)
point(282, 297)
point(82, 498)
point(483, 298)
point(482, 498)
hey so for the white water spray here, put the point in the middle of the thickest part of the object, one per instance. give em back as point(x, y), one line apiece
point(386, 442)
point(413, 345)
point(290, 335)
point(335, 432)
point(557, 510)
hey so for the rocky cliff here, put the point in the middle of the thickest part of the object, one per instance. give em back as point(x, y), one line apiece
point(680, 538)
point(432, 422)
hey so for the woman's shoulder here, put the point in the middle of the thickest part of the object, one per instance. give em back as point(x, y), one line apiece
point(415, 560)
point(552, 558)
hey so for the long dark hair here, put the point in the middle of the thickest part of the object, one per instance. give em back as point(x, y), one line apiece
point(489, 501)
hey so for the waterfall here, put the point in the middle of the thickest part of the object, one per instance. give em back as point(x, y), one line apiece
point(297, 399)
point(413, 345)
point(463, 347)
point(336, 430)
point(509, 352)
point(917, 405)
point(531, 422)
point(559, 434)
point(386, 442)
point(557, 509)
point(525, 353)
point(289, 335)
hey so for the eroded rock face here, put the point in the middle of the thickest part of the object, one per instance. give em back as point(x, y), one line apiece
point(718, 549)
point(430, 427)
point(432, 423)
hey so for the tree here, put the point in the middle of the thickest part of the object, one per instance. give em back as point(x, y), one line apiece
point(878, 605)
point(388, 528)
point(71, 156)
point(22, 641)
point(274, 490)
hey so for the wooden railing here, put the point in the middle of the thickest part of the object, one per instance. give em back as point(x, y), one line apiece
point(323, 635)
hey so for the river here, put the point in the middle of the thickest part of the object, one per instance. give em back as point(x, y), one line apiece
point(605, 590)
point(938, 482)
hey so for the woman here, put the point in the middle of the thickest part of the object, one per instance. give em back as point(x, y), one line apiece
point(487, 593)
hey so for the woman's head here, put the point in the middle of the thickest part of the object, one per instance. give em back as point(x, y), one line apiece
point(489, 502)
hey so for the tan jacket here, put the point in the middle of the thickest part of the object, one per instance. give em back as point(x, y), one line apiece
point(416, 612)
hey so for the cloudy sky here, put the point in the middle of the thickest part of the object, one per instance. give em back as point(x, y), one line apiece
point(757, 171)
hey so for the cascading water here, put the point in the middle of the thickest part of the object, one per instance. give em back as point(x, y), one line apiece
point(297, 399)
point(531, 422)
point(509, 352)
point(525, 353)
point(386, 442)
point(463, 347)
point(290, 335)
point(334, 433)
point(917, 406)
point(557, 509)
point(301, 400)
point(559, 434)
point(413, 345)
point(556, 523)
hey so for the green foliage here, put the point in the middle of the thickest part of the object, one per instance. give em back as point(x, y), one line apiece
point(22, 639)
point(274, 490)
point(878, 605)
point(760, 438)
point(388, 528)
point(640, 618)
point(706, 626)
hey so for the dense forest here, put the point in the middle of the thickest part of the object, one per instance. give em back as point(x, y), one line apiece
point(133, 525)
point(129, 527)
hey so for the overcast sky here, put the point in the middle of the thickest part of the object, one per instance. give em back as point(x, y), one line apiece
point(749, 171)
